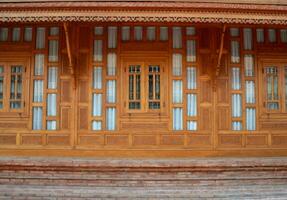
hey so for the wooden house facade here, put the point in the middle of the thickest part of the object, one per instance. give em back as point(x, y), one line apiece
point(143, 78)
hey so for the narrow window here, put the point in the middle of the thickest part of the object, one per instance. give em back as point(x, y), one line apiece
point(38, 91)
point(250, 91)
point(190, 51)
point(39, 64)
point(236, 125)
point(51, 104)
point(154, 87)
point(28, 34)
point(151, 33)
point(112, 37)
point(191, 125)
point(177, 64)
point(51, 125)
point(236, 81)
point(260, 35)
point(191, 78)
point(177, 119)
point(126, 33)
point(40, 38)
point(111, 91)
point(235, 56)
point(191, 105)
point(163, 33)
point(134, 87)
point(112, 59)
point(53, 50)
point(272, 35)
point(111, 118)
point(234, 32)
point(54, 31)
point(99, 30)
point(249, 65)
point(247, 35)
point(3, 34)
point(52, 77)
point(271, 88)
point(16, 86)
point(97, 105)
point(37, 118)
point(16, 34)
point(190, 31)
point(236, 105)
point(177, 91)
point(250, 119)
point(176, 37)
point(138, 33)
point(96, 125)
point(97, 78)
point(283, 34)
point(98, 50)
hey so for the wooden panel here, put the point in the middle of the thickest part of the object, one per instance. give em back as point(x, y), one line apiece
point(206, 91)
point(274, 125)
point(144, 126)
point(65, 118)
point(279, 140)
point(223, 118)
point(8, 139)
point(172, 139)
point(205, 119)
point(139, 140)
point(83, 118)
point(117, 140)
point(136, 46)
point(65, 64)
point(91, 140)
point(84, 37)
point(256, 140)
point(83, 64)
point(230, 140)
point(222, 91)
point(32, 139)
point(199, 140)
point(204, 43)
point(15, 124)
point(58, 140)
point(66, 91)
point(83, 91)
point(205, 64)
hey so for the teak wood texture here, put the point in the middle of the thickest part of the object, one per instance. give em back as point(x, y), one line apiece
point(143, 132)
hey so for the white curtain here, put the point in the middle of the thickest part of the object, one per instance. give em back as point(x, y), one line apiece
point(250, 119)
point(247, 35)
point(283, 34)
point(272, 35)
point(3, 34)
point(176, 37)
point(191, 105)
point(37, 118)
point(112, 37)
point(112, 62)
point(38, 91)
point(51, 125)
point(99, 30)
point(97, 105)
point(151, 33)
point(236, 105)
point(54, 31)
point(191, 78)
point(51, 104)
point(236, 80)
point(250, 91)
point(190, 51)
point(177, 119)
point(235, 56)
point(190, 31)
point(237, 126)
point(138, 33)
point(191, 125)
point(39, 64)
point(111, 119)
point(260, 35)
point(234, 32)
point(126, 33)
point(53, 50)
point(52, 77)
point(16, 33)
point(97, 125)
point(163, 33)
point(249, 65)
point(177, 91)
point(28, 34)
point(176, 64)
point(98, 50)
point(111, 91)
point(97, 78)
point(40, 38)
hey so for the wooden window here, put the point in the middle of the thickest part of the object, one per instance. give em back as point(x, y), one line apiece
point(283, 35)
point(163, 33)
point(177, 37)
point(40, 38)
point(126, 33)
point(28, 34)
point(260, 35)
point(4, 31)
point(271, 76)
point(112, 37)
point(190, 31)
point(138, 33)
point(272, 35)
point(151, 33)
point(134, 75)
point(154, 87)
point(16, 34)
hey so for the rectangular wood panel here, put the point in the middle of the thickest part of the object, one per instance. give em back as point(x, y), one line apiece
point(172, 139)
point(96, 140)
point(142, 140)
point(32, 139)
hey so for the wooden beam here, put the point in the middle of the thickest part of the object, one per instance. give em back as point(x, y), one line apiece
point(220, 52)
point(68, 48)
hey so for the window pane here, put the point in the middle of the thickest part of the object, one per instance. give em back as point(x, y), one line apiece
point(151, 33)
point(97, 105)
point(40, 38)
point(250, 91)
point(138, 33)
point(177, 91)
point(260, 35)
point(236, 126)
point(52, 77)
point(97, 125)
point(51, 104)
point(236, 105)
point(37, 118)
point(54, 31)
point(190, 51)
point(234, 32)
point(272, 86)
point(250, 119)
point(3, 34)
point(16, 87)
point(126, 33)
point(191, 105)
point(38, 91)
point(272, 35)
point(191, 125)
point(112, 37)
point(99, 30)
point(112, 62)
point(247, 33)
point(191, 78)
point(177, 119)
point(28, 34)
point(51, 125)
point(39, 64)
point(235, 57)
point(177, 64)
point(190, 31)
point(111, 119)
point(111, 91)
point(97, 78)
point(176, 37)
point(53, 50)
point(236, 82)
point(16, 34)
point(98, 50)
point(249, 65)
point(283, 34)
point(163, 33)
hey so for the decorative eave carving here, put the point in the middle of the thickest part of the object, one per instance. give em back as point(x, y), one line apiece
point(152, 15)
